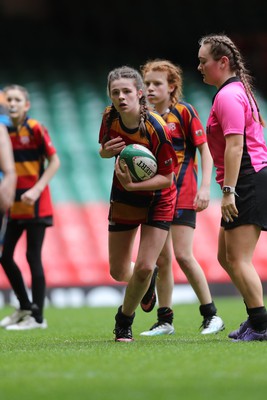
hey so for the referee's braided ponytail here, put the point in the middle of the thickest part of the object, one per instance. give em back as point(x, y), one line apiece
point(222, 45)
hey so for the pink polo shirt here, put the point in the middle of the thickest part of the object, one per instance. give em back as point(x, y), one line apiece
point(231, 114)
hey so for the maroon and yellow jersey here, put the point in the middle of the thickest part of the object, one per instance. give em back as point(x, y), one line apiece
point(31, 146)
point(187, 134)
point(144, 206)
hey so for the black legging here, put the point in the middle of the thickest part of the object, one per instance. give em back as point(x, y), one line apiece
point(35, 237)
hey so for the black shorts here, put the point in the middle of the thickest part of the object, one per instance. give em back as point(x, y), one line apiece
point(116, 227)
point(185, 217)
point(251, 201)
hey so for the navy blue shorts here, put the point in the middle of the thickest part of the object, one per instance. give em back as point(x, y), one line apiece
point(116, 227)
point(185, 217)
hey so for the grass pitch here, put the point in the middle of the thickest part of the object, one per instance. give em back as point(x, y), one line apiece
point(77, 358)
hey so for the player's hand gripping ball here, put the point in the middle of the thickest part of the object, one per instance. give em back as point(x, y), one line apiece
point(141, 162)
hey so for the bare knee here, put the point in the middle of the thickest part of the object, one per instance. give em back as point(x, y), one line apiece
point(164, 261)
point(224, 263)
point(184, 261)
point(143, 273)
point(120, 274)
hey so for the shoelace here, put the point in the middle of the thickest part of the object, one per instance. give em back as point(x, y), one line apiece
point(206, 322)
point(123, 332)
point(157, 325)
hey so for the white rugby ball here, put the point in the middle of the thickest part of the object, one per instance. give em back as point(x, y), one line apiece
point(140, 160)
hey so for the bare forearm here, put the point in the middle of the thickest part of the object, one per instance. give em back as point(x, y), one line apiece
point(232, 161)
point(206, 165)
point(49, 172)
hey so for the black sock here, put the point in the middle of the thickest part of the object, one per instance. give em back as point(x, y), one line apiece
point(25, 306)
point(165, 314)
point(36, 313)
point(258, 318)
point(123, 320)
point(208, 310)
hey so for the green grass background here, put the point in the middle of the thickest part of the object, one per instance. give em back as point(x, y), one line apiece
point(76, 357)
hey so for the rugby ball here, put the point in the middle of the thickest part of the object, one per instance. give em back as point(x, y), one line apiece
point(141, 162)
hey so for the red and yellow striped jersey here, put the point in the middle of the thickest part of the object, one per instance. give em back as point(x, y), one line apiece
point(187, 134)
point(157, 140)
point(31, 146)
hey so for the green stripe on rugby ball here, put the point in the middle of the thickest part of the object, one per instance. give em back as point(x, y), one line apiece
point(141, 162)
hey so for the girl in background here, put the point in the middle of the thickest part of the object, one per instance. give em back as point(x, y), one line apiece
point(163, 81)
point(32, 209)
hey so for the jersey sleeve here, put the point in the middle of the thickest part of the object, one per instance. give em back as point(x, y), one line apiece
point(43, 140)
point(166, 157)
point(194, 125)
